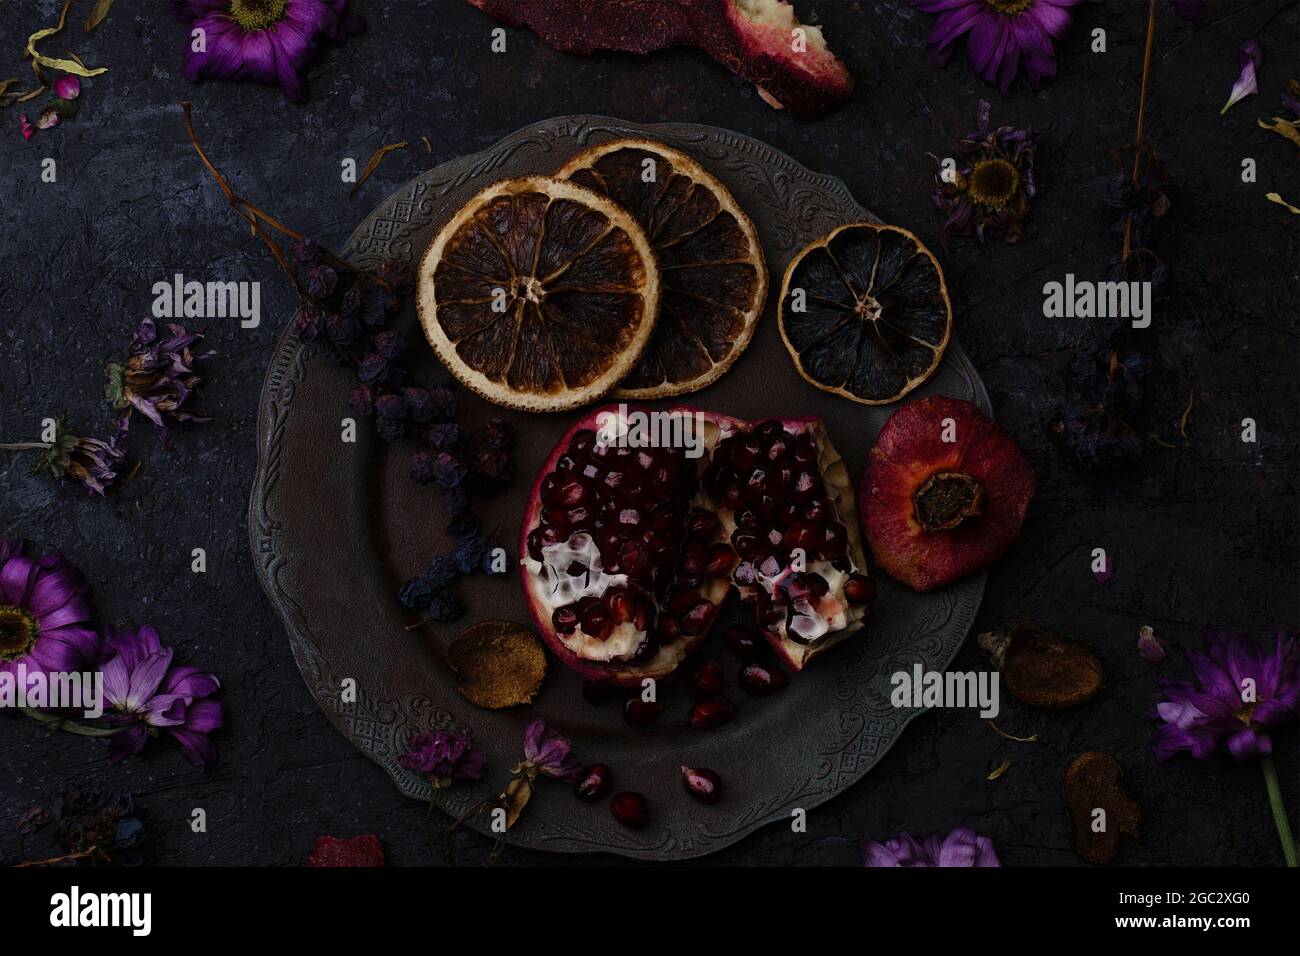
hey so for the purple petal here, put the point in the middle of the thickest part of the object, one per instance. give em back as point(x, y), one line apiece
point(204, 716)
point(146, 677)
point(1252, 54)
point(127, 741)
point(196, 747)
point(16, 580)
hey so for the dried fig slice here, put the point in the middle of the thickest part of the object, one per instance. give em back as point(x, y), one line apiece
point(713, 277)
point(539, 294)
point(1043, 668)
point(1092, 784)
point(498, 664)
point(864, 312)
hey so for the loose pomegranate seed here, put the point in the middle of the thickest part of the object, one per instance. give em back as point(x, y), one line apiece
point(743, 641)
point(593, 783)
point(642, 713)
point(859, 589)
point(565, 619)
point(629, 808)
point(702, 783)
point(712, 713)
point(760, 680)
point(705, 681)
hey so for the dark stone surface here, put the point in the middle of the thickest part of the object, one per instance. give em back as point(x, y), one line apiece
point(1204, 533)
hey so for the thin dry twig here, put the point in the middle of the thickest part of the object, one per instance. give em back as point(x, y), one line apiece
point(373, 163)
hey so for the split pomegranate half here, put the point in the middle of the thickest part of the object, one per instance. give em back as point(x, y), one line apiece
point(635, 533)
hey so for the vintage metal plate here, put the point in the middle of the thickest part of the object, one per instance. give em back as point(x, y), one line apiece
point(335, 528)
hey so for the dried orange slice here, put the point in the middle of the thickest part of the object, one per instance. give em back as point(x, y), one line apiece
point(864, 312)
point(712, 275)
point(539, 294)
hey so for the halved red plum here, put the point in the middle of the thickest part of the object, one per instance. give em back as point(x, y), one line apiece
point(626, 552)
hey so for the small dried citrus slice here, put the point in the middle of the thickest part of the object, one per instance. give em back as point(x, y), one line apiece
point(864, 312)
point(712, 275)
point(539, 294)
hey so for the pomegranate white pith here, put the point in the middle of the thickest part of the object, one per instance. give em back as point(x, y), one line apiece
point(626, 552)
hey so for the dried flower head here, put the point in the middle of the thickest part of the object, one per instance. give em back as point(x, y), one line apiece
point(990, 190)
point(1242, 692)
point(962, 847)
point(158, 378)
point(90, 462)
point(445, 756)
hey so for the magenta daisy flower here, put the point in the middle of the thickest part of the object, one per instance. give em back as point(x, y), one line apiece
point(270, 41)
point(1242, 692)
point(1003, 36)
point(148, 696)
point(961, 848)
point(44, 613)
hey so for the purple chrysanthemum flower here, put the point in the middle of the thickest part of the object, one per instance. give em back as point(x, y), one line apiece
point(989, 193)
point(962, 847)
point(158, 378)
point(147, 695)
point(1241, 693)
point(44, 613)
point(270, 41)
point(1004, 36)
point(548, 752)
point(445, 756)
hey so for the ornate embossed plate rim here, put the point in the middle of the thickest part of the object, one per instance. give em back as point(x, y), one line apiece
point(288, 368)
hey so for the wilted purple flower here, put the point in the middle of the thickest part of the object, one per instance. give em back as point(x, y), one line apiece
point(1004, 36)
point(1150, 647)
point(990, 191)
point(549, 753)
point(44, 613)
point(147, 696)
point(445, 756)
point(1247, 84)
point(270, 41)
point(960, 848)
point(90, 462)
point(1241, 693)
point(158, 378)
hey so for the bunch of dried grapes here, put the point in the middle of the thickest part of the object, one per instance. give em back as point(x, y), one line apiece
point(350, 314)
point(83, 829)
point(1135, 205)
point(1098, 424)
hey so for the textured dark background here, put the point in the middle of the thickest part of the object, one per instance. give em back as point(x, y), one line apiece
point(1202, 534)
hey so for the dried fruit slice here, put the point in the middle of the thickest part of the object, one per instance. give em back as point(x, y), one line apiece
point(864, 312)
point(944, 493)
point(712, 275)
point(539, 294)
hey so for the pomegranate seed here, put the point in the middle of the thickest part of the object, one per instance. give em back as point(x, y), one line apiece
point(719, 560)
point(859, 589)
point(668, 630)
point(816, 512)
point(804, 454)
point(705, 681)
point(698, 619)
point(582, 443)
point(682, 600)
point(597, 622)
point(642, 713)
point(743, 641)
point(629, 808)
point(694, 558)
point(777, 450)
point(834, 540)
point(566, 463)
point(565, 619)
point(806, 486)
point(576, 569)
point(815, 583)
point(760, 681)
point(702, 783)
point(746, 545)
point(745, 454)
point(613, 479)
point(701, 524)
point(593, 783)
point(535, 544)
point(712, 713)
point(577, 517)
point(785, 515)
point(619, 603)
point(745, 574)
point(571, 491)
point(598, 691)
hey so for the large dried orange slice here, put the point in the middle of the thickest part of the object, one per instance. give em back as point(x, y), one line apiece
point(539, 294)
point(864, 312)
point(712, 275)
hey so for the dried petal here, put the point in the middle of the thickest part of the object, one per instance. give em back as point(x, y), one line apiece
point(1150, 647)
point(1247, 84)
point(67, 87)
